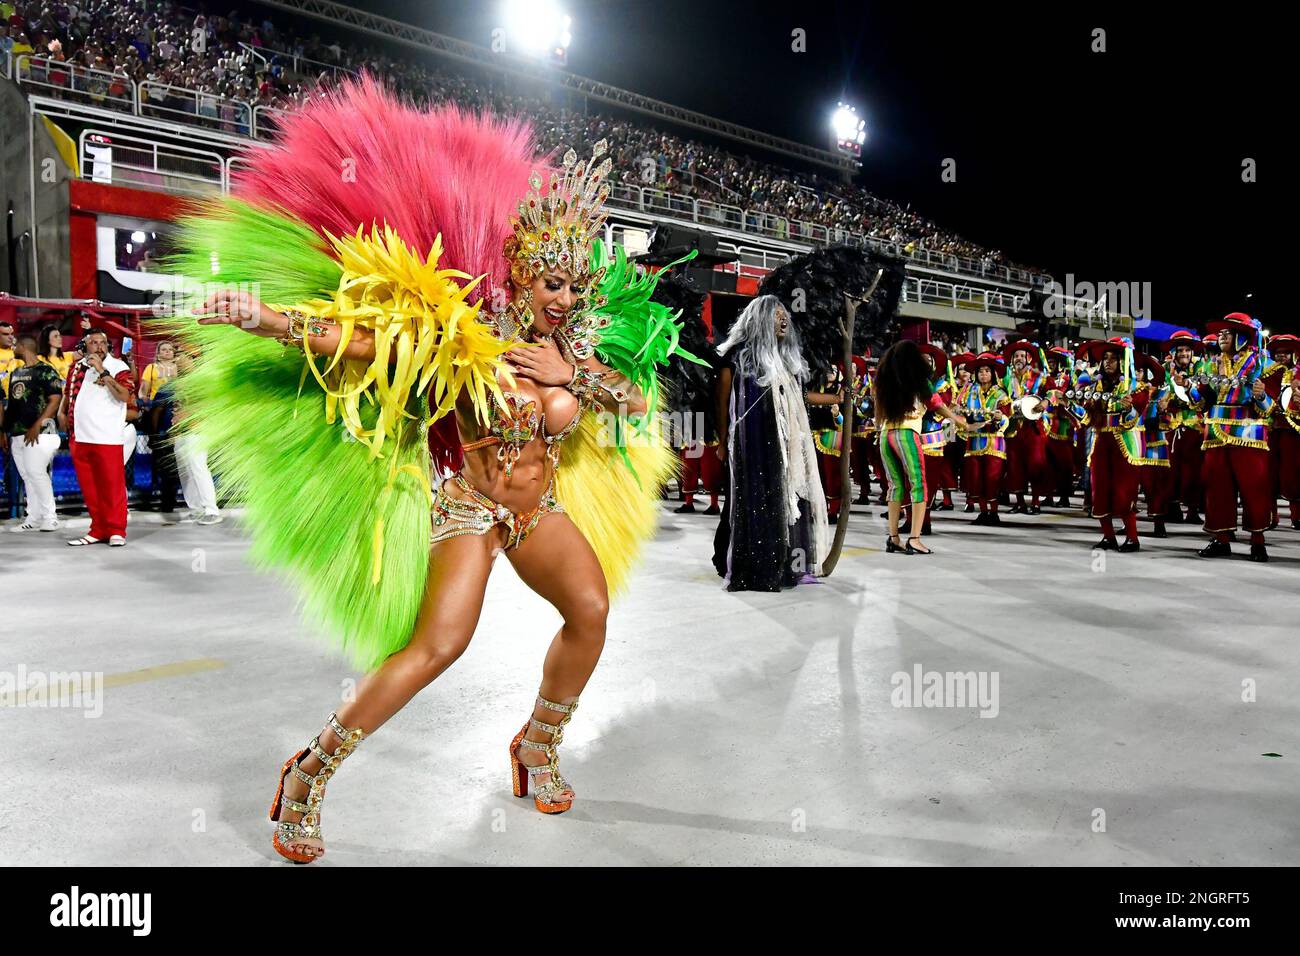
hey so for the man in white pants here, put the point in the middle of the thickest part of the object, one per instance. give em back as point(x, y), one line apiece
point(196, 479)
point(30, 432)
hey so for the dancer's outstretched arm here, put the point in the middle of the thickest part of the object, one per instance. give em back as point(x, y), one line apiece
point(244, 310)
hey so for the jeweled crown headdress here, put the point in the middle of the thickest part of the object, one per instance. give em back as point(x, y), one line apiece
point(556, 225)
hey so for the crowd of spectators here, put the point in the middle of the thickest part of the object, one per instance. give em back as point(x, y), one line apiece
point(226, 60)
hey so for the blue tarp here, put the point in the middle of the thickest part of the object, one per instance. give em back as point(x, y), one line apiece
point(1156, 331)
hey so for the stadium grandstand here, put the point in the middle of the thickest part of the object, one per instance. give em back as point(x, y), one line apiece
point(116, 112)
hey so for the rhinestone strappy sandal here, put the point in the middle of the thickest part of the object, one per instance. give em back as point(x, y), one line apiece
point(546, 796)
point(308, 828)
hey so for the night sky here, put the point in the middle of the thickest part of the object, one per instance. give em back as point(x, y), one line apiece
point(1123, 166)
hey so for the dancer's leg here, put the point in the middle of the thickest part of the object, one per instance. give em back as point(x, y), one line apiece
point(580, 594)
point(453, 599)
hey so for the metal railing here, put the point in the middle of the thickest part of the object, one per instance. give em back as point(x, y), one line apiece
point(123, 160)
point(147, 98)
point(707, 213)
point(78, 83)
point(753, 258)
point(181, 104)
point(1070, 308)
point(294, 62)
point(265, 121)
point(935, 292)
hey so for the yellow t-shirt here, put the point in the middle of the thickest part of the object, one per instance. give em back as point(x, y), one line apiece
point(60, 364)
point(153, 380)
point(8, 362)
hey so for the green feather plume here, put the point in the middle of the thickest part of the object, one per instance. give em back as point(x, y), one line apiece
point(640, 335)
point(312, 497)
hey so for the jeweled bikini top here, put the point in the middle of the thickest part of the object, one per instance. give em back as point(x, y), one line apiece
point(515, 426)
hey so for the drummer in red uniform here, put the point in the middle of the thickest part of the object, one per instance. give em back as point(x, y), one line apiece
point(1026, 438)
point(1283, 430)
point(1061, 432)
point(1236, 406)
point(1185, 432)
point(1112, 405)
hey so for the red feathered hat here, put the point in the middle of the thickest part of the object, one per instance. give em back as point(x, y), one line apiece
point(939, 355)
point(1285, 343)
point(1023, 345)
point(961, 358)
point(991, 359)
point(1237, 322)
point(1151, 364)
point(1184, 337)
point(1092, 350)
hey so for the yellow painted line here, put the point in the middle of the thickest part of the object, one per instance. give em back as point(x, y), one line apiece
point(854, 552)
point(178, 669)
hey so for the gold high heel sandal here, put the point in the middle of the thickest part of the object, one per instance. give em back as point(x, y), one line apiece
point(545, 795)
point(308, 828)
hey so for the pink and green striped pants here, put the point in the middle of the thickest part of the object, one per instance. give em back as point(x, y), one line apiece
point(900, 449)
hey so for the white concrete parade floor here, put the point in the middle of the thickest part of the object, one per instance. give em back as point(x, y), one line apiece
point(719, 728)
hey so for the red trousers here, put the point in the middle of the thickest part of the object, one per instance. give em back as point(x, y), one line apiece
point(983, 474)
point(1114, 479)
point(829, 466)
point(1186, 460)
point(1284, 465)
point(1157, 484)
point(103, 486)
point(1060, 462)
point(865, 459)
point(938, 473)
point(700, 466)
point(1027, 461)
point(1232, 470)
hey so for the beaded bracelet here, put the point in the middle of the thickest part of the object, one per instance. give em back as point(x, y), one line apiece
point(301, 324)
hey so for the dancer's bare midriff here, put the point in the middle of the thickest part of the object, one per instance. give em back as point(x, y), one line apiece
point(532, 472)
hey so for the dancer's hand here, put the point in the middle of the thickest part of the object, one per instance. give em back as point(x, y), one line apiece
point(542, 363)
point(721, 451)
point(241, 308)
point(1257, 390)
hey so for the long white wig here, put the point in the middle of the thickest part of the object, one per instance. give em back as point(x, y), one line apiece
point(759, 353)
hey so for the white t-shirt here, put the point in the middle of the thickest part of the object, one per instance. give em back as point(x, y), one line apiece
point(99, 418)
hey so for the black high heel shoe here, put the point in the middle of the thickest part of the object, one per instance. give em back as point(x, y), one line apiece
point(891, 548)
point(921, 550)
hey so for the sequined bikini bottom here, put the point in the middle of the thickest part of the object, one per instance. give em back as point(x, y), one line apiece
point(476, 513)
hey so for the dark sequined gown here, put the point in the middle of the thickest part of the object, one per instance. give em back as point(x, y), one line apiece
point(754, 548)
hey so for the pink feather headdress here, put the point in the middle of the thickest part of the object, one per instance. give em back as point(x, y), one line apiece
point(358, 155)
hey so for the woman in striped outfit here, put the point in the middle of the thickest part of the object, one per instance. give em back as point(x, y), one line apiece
point(903, 396)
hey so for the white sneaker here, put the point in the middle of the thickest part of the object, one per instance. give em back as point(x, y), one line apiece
point(209, 519)
point(27, 525)
point(116, 541)
point(52, 525)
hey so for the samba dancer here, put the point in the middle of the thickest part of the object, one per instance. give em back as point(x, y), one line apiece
point(338, 484)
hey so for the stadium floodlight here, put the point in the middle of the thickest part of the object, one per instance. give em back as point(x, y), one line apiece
point(137, 236)
point(849, 129)
point(539, 28)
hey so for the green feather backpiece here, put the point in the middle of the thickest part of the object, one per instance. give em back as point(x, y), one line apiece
point(311, 494)
point(640, 335)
